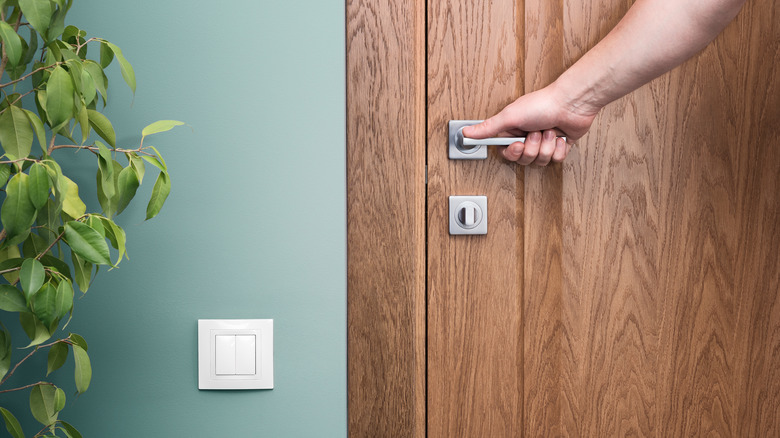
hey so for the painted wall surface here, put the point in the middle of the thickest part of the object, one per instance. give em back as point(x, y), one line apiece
point(254, 227)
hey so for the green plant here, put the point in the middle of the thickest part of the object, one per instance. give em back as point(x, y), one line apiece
point(50, 245)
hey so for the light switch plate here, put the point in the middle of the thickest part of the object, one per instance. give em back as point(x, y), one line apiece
point(241, 374)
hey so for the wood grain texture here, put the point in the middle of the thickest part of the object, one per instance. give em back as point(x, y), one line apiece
point(386, 218)
point(544, 341)
point(474, 287)
point(669, 302)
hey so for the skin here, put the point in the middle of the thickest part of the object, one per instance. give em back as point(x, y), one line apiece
point(651, 39)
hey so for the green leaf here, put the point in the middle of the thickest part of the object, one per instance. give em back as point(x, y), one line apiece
point(83, 373)
point(95, 72)
point(38, 13)
point(116, 235)
point(127, 70)
point(57, 355)
point(5, 351)
point(159, 126)
point(12, 424)
point(16, 135)
point(83, 118)
point(43, 403)
point(11, 299)
point(31, 276)
point(70, 430)
point(102, 126)
point(11, 42)
point(38, 185)
point(64, 299)
point(78, 340)
point(5, 172)
point(17, 212)
point(160, 192)
point(87, 243)
point(44, 304)
point(34, 329)
point(137, 163)
point(83, 271)
point(11, 258)
point(127, 185)
point(59, 97)
point(88, 89)
point(57, 25)
point(73, 206)
point(40, 132)
point(106, 55)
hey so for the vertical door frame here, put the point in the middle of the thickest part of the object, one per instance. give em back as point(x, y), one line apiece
point(386, 273)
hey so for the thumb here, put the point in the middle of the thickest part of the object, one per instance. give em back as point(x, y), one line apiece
point(488, 128)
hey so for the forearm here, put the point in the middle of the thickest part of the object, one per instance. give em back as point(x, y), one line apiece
point(651, 39)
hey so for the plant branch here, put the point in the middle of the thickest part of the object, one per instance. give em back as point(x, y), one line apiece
point(27, 386)
point(50, 246)
point(65, 340)
point(6, 271)
point(95, 150)
point(30, 74)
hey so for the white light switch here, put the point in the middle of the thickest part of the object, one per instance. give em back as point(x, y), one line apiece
point(245, 354)
point(225, 355)
point(235, 354)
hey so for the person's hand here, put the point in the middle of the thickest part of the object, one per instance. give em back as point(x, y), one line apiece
point(542, 117)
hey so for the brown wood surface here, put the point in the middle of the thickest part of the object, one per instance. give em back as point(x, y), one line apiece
point(475, 355)
point(386, 217)
point(631, 291)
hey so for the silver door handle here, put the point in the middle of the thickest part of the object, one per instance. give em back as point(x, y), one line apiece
point(464, 148)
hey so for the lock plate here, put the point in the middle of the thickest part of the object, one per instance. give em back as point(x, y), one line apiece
point(468, 215)
point(456, 150)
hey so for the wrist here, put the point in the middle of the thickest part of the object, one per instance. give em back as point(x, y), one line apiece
point(577, 95)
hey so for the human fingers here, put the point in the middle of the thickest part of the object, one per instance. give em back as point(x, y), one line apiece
point(514, 151)
point(533, 142)
point(546, 149)
point(488, 128)
point(561, 150)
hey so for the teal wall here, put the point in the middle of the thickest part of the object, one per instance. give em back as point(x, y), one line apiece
point(255, 226)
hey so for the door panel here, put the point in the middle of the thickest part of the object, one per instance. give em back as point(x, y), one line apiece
point(632, 290)
point(474, 282)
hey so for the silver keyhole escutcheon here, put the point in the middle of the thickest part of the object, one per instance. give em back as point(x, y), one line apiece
point(468, 215)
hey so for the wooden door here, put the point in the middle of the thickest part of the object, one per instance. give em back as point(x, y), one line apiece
point(632, 290)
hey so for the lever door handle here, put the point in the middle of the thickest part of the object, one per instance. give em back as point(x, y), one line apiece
point(464, 148)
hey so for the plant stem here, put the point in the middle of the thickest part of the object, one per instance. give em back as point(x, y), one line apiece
point(27, 386)
point(50, 246)
point(95, 150)
point(66, 340)
point(30, 74)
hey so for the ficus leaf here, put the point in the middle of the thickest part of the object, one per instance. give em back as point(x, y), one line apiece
point(43, 403)
point(78, 340)
point(58, 353)
point(38, 185)
point(116, 235)
point(83, 271)
point(127, 70)
point(11, 258)
point(87, 243)
point(40, 132)
point(72, 205)
point(64, 299)
point(11, 299)
point(38, 13)
point(16, 135)
point(127, 185)
point(102, 126)
point(34, 329)
point(5, 172)
point(83, 372)
point(95, 72)
point(5, 351)
point(106, 55)
point(159, 126)
point(70, 430)
point(31, 276)
point(11, 42)
point(160, 192)
point(12, 424)
point(17, 213)
point(44, 304)
point(59, 97)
